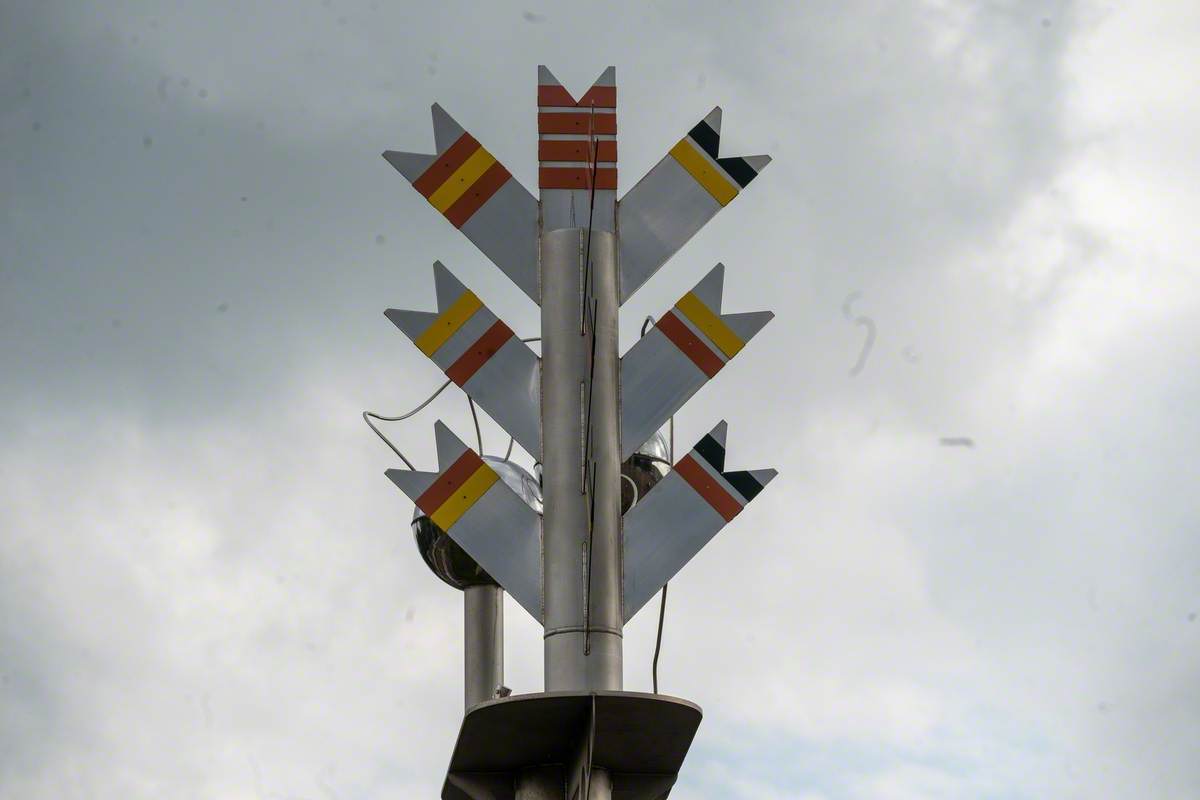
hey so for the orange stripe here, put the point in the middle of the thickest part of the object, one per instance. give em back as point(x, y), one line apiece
point(575, 150)
point(554, 96)
point(446, 483)
point(600, 97)
point(690, 344)
point(567, 122)
point(707, 487)
point(480, 192)
point(446, 163)
point(575, 178)
point(478, 354)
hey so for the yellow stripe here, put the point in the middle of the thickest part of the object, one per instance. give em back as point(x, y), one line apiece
point(707, 175)
point(458, 183)
point(464, 497)
point(710, 324)
point(448, 322)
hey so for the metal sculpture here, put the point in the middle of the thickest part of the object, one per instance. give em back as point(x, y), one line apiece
point(587, 563)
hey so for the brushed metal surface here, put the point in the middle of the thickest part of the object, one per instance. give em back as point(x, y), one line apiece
point(483, 643)
point(565, 369)
point(656, 218)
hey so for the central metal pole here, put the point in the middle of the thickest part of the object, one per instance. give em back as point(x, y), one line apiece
point(581, 473)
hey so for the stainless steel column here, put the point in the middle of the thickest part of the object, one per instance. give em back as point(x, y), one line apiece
point(569, 613)
point(483, 648)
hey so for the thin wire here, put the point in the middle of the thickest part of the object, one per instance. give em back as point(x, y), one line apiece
point(657, 459)
point(587, 450)
point(594, 155)
point(584, 317)
point(587, 605)
point(662, 613)
point(478, 435)
point(369, 415)
point(662, 606)
point(633, 485)
point(647, 321)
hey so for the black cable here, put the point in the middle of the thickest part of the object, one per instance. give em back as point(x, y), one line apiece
point(662, 606)
point(593, 153)
point(662, 613)
point(584, 317)
point(649, 320)
point(587, 605)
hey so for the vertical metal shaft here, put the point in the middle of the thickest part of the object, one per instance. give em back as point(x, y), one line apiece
point(581, 601)
point(483, 649)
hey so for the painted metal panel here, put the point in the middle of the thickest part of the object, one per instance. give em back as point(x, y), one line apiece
point(508, 387)
point(504, 536)
point(480, 513)
point(464, 182)
point(657, 217)
point(674, 359)
point(470, 332)
point(504, 380)
point(676, 198)
point(674, 521)
point(506, 230)
point(662, 533)
point(656, 380)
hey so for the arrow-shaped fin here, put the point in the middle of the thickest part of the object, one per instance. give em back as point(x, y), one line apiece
point(690, 344)
point(467, 499)
point(577, 150)
point(681, 514)
point(481, 354)
point(478, 196)
point(675, 198)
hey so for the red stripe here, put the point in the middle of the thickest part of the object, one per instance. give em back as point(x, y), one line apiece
point(554, 96)
point(477, 355)
point(577, 122)
point(446, 163)
point(575, 178)
point(576, 150)
point(600, 97)
point(707, 487)
point(449, 481)
point(480, 192)
point(683, 338)
point(558, 96)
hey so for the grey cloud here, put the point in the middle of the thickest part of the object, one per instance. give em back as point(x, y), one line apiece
point(207, 585)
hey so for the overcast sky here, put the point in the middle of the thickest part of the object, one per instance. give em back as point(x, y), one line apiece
point(208, 588)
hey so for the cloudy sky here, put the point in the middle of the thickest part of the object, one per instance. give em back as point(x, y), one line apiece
point(208, 588)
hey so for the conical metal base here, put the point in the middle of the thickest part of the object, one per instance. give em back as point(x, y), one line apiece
point(639, 740)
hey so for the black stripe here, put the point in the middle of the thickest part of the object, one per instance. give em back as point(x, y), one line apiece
point(706, 138)
point(738, 169)
point(745, 484)
point(711, 451)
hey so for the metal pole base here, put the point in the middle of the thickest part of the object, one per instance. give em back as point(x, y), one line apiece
point(537, 746)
